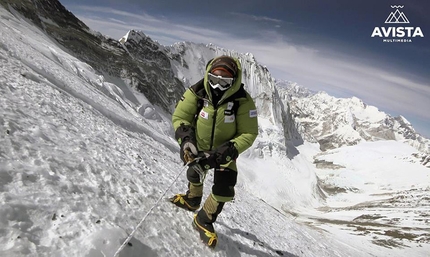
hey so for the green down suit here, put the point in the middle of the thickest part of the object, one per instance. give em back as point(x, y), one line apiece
point(215, 125)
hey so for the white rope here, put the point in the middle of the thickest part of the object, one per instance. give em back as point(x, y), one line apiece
point(146, 215)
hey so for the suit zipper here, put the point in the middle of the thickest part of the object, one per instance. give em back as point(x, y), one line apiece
point(213, 127)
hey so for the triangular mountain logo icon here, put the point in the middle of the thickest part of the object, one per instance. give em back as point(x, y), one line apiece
point(397, 16)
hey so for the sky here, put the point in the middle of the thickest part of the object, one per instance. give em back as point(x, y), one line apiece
point(321, 45)
point(81, 170)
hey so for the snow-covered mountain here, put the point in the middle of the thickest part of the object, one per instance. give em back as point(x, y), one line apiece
point(154, 70)
point(335, 122)
point(87, 150)
point(318, 117)
point(300, 114)
point(151, 74)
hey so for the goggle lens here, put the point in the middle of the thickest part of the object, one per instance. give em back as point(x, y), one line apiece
point(219, 82)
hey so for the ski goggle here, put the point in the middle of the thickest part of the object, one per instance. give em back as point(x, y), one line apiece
point(219, 82)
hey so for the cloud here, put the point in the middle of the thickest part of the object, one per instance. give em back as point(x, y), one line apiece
point(117, 21)
point(142, 16)
point(256, 18)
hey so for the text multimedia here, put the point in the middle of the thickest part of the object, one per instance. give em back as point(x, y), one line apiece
point(397, 32)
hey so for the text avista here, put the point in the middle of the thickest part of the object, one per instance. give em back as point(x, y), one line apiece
point(397, 32)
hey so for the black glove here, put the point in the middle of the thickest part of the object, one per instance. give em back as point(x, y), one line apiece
point(186, 137)
point(225, 153)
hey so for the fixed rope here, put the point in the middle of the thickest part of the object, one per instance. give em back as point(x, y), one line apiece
point(127, 240)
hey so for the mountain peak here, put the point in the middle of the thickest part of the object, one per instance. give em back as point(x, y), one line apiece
point(134, 35)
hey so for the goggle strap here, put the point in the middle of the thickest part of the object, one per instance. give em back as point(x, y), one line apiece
point(223, 69)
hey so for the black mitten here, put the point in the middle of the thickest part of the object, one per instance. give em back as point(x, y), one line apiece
point(226, 153)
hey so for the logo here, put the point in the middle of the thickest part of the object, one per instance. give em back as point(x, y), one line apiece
point(229, 119)
point(204, 114)
point(397, 16)
point(400, 34)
